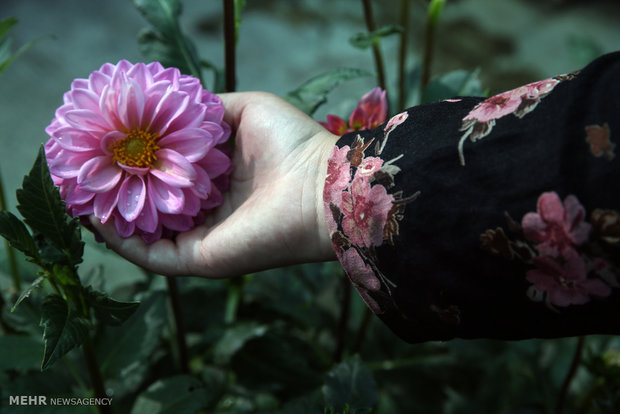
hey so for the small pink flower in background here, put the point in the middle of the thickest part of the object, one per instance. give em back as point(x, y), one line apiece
point(365, 210)
point(142, 144)
point(566, 281)
point(555, 226)
point(370, 112)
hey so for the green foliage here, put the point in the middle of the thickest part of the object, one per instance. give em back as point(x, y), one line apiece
point(65, 329)
point(164, 41)
point(366, 40)
point(13, 230)
point(312, 94)
point(44, 212)
point(452, 84)
point(7, 57)
point(179, 394)
point(107, 310)
point(351, 385)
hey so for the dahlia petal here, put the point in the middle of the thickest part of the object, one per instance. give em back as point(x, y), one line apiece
point(82, 209)
point(154, 236)
point(216, 130)
point(97, 81)
point(215, 163)
point(131, 104)
point(120, 71)
point(191, 117)
point(131, 198)
point(167, 199)
point(73, 139)
point(154, 67)
point(169, 74)
point(75, 195)
point(152, 97)
point(105, 204)
point(176, 222)
point(109, 139)
point(67, 164)
point(172, 168)
point(191, 143)
point(123, 228)
point(85, 99)
point(141, 171)
point(79, 83)
point(215, 199)
point(148, 218)
point(202, 183)
point(192, 203)
point(140, 74)
point(108, 108)
point(169, 107)
point(99, 174)
point(86, 120)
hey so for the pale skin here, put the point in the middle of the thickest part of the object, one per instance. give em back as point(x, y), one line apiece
point(272, 215)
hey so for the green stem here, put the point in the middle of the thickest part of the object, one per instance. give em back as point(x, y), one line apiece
point(402, 54)
point(179, 328)
point(95, 374)
point(376, 50)
point(434, 11)
point(10, 252)
point(559, 408)
point(229, 45)
point(343, 321)
point(232, 302)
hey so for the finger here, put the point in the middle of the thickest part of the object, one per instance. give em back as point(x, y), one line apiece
point(234, 103)
point(158, 257)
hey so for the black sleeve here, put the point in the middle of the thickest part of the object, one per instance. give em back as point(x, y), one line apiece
point(495, 218)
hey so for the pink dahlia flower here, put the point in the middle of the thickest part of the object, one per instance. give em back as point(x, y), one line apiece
point(142, 144)
point(556, 226)
point(370, 112)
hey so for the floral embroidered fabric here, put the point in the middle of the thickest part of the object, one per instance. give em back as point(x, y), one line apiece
point(515, 237)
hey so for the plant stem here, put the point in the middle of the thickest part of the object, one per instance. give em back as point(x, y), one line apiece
point(343, 321)
point(559, 408)
point(361, 331)
point(95, 374)
point(402, 54)
point(10, 252)
point(232, 302)
point(179, 327)
point(229, 45)
point(434, 10)
point(376, 51)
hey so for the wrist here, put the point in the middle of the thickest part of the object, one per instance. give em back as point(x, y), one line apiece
point(327, 142)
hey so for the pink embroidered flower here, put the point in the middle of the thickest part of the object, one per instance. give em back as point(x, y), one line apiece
point(365, 210)
point(369, 166)
point(370, 112)
point(363, 278)
point(566, 282)
point(396, 120)
point(495, 107)
point(337, 180)
point(555, 226)
point(142, 144)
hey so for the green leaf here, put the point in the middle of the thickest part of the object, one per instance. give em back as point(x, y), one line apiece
point(312, 94)
point(6, 58)
point(352, 384)
point(161, 14)
point(165, 42)
point(12, 229)
point(44, 211)
point(27, 292)
point(234, 338)
point(455, 83)
point(366, 40)
point(64, 329)
point(5, 63)
point(180, 394)
point(5, 26)
point(107, 310)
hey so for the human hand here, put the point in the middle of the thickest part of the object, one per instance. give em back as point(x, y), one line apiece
point(273, 213)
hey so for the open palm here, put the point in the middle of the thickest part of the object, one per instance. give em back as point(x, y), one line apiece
point(272, 215)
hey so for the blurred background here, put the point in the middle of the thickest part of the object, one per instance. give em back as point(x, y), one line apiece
point(283, 43)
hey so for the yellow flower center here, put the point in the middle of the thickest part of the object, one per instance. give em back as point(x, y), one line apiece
point(137, 150)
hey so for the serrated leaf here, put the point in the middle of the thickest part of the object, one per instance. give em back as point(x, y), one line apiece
point(366, 40)
point(108, 310)
point(12, 229)
point(64, 329)
point(44, 211)
point(180, 394)
point(165, 42)
point(350, 383)
point(27, 292)
point(312, 94)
